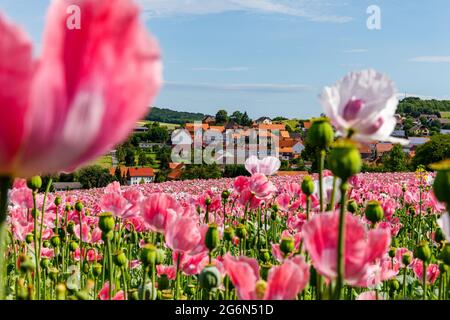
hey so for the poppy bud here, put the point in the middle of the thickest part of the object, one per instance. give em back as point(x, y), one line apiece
point(241, 231)
point(352, 206)
point(46, 244)
point(345, 159)
point(210, 278)
point(406, 259)
point(57, 200)
point(264, 255)
point(120, 259)
point(225, 194)
point(287, 245)
point(73, 246)
point(29, 238)
point(320, 134)
point(260, 289)
point(148, 255)
point(160, 256)
point(208, 201)
point(443, 268)
point(212, 237)
point(86, 267)
point(45, 263)
point(163, 282)
point(394, 285)
point(79, 206)
point(445, 254)
point(34, 183)
point(441, 185)
point(392, 252)
point(106, 222)
point(308, 186)
point(423, 251)
point(265, 268)
point(61, 292)
point(374, 212)
point(228, 234)
point(97, 269)
point(53, 274)
point(68, 207)
point(55, 241)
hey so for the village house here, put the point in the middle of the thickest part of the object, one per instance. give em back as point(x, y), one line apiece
point(66, 186)
point(263, 120)
point(140, 175)
point(383, 148)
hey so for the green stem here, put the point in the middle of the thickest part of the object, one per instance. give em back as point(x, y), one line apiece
point(36, 249)
point(341, 242)
point(333, 194)
point(177, 280)
point(110, 267)
point(321, 166)
point(5, 183)
point(424, 277)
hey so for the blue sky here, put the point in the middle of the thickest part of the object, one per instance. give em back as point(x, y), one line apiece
point(273, 57)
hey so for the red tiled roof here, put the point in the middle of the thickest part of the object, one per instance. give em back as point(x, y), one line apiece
point(274, 126)
point(141, 172)
point(384, 147)
point(175, 174)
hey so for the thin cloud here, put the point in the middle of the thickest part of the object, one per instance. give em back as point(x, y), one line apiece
point(230, 69)
point(431, 59)
point(312, 11)
point(247, 87)
point(355, 51)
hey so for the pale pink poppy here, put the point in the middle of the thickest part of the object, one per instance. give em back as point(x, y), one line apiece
point(158, 210)
point(267, 166)
point(169, 271)
point(104, 293)
point(87, 82)
point(362, 248)
point(432, 271)
point(369, 295)
point(183, 235)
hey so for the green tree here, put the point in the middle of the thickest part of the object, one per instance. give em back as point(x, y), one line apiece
point(435, 150)
point(245, 120)
point(395, 160)
point(221, 117)
point(130, 160)
point(233, 170)
point(94, 177)
point(236, 116)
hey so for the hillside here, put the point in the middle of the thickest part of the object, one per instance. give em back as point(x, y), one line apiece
point(171, 116)
point(415, 106)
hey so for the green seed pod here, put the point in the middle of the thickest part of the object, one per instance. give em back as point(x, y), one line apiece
point(374, 212)
point(34, 183)
point(106, 222)
point(55, 241)
point(133, 294)
point(406, 259)
point(264, 255)
point(241, 231)
point(160, 256)
point(71, 227)
point(163, 282)
point(443, 268)
point(46, 244)
point(352, 206)
point(287, 245)
point(148, 255)
point(212, 237)
point(73, 246)
point(79, 206)
point(120, 259)
point(210, 278)
point(208, 201)
point(53, 274)
point(45, 263)
point(97, 269)
point(57, 201)
point(321, 134)
point(61, 292)
point(445, 254)
point(29, 238)
point(260, 289)
point(392, 252)
point(225, 195)
point(86, 267)
point(308, 185)
point(228, 234)
point(441, 185)
point(423, 251)
point(394, 285)
point(68, 207)
point(345, 159)
point(265, 268)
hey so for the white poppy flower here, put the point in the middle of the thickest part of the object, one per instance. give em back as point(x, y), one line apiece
point(444, 224)
point(363, 104)
point(267, 166)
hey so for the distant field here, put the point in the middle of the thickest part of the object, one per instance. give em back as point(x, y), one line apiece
point(169, 126)
point(104, 161)
point(445, 115)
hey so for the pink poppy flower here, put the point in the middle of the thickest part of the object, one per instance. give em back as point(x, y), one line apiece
point(369, 295)
point(432, 271)
point(261, 187)
point(364, 103)
point(267, 166)
point(104, 293)
point(362, 248)
point(169, 271)
point(183, 234)
point(100, 78)
point(158, 210)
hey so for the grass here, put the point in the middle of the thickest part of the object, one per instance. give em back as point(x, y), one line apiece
point(445, 115)
point(169, 126)
point(104, 161)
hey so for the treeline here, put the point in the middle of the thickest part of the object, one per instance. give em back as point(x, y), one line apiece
point(171, 116)
point(415, 106)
